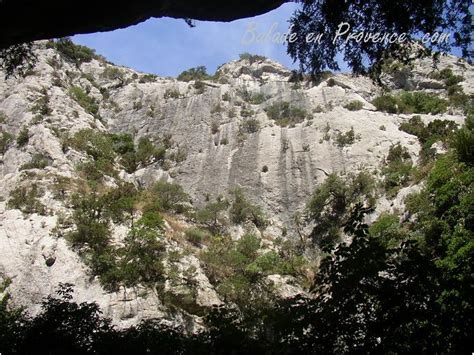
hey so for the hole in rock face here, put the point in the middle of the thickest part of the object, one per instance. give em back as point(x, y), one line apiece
point(50, 262)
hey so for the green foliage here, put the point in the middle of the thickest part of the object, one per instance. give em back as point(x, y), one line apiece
point(285, 114)
point(398, 170)
point(26, 199)
point(85, 101)
point(23, 137)
point(197, 74)
point(72, 52)
point(437, 130)
point(241, 210)
point(112, 73)
point(172, 94)
point(347, 138)
point(3, 117)
point(354, 105)
point(250, 125)
point(411, 102)
point(251, 98)
point(238, 269)
point(42, 104)
point(38, 161)
point(18, 59)
point(164, 196)
point(147, 78)
point(330, 203)
point(196, 235)
point(252, 58)
point(200, 87)
point(5, 141)
point(464, 141)
point(213, 214)
point(447, 75)
point(386, 103)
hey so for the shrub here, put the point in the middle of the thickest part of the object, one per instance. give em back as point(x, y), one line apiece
point(23, 137)
point(347, 138)
point(172, 94)
point(331, 82)
point(25, 199)
point(447, 76)
point(200, 87)
point(421, 102)
point(284, 114)
point(354, 105)
point(226, 97)
point(197, 73)
point(42, 105)
point(147, 153)
point(212, 215)
point(164, 196)
point(252, 58)
point(411, 102)
point(147, 78)
point(264, 169)
point(5, 141)
point(398, 170)
point(251, 125)
point(247, 112)
point(386, 103)
point(242, 210)
point(72, 52)
point(112, 73)
point(196, 236)
point(38, 161)
point(3, 117)
point(88, 103)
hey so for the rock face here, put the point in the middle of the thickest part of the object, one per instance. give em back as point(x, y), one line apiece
point(222, 137)
point(25, 21)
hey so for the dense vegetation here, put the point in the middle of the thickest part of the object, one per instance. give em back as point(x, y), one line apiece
point(369, 17)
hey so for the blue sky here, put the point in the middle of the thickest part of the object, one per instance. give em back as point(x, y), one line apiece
point(167, 46)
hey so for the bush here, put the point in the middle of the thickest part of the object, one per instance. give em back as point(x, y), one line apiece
point(42, 105)
point(88, 103)
point(252, 58)
point(347, 138)
point(5, 141)
point(147, 78)
point(23, 137)
point(3, 117)
point(172, 94)
point(197, 74)
point(251, 125)
point(330, 204)
point(242, 210)
point(354, 106)
point(112, 73)
point(411, 102)
point(212, 215)
point(164, 196)
point(38, 161)
point(386, 103)
point(284, 114)
point(72, 52)
point(264, 169)
point(399, 168)
point(26, 199)
point(196, 236)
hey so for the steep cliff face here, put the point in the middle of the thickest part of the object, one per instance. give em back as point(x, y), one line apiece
point(222, 133)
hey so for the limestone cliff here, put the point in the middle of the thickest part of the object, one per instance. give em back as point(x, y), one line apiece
point(221, 135)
